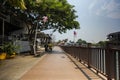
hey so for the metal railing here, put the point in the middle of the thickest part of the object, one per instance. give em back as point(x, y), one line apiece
point(104, 60)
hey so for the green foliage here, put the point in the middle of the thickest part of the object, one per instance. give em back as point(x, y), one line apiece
point(12, 7)
point(17, 3)
point(9, 48)
point(102, 43)
point(61, 15)
point(80, 41)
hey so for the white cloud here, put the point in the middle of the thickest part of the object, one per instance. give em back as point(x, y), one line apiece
point(92, 5)
point(108, 8)
point(114, 15)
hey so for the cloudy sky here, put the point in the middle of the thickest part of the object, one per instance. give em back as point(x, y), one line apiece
point(97, 19)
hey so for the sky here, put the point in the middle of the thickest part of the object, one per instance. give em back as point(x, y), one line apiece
point(97, 19)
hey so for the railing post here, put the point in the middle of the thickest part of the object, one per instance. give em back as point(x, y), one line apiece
point(108, 62)
point(117, 70)
point(119, 64)
point(89, 55)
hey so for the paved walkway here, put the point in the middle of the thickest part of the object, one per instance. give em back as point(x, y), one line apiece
point(55, 66)
point(51, 66)
point(13, 69)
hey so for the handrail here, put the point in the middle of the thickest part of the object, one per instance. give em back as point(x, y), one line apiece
point(104, 60)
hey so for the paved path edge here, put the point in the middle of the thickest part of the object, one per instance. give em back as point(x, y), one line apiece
point(41, 57)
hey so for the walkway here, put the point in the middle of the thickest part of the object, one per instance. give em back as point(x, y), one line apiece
point(57, 66)
point(54, 66)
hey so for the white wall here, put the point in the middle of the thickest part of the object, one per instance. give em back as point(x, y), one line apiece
point(24, 46)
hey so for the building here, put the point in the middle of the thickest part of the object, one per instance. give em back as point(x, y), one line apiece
point(114, 39)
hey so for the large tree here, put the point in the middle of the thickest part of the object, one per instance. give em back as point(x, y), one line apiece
point(61, 15)
point(80, 41)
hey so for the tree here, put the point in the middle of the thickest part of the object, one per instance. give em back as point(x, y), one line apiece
point(80, 41)
point(14, 3)
point(102, 43)
point(61, 15)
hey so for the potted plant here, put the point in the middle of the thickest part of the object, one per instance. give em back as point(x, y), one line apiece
point(2, 55)
point(10, 49)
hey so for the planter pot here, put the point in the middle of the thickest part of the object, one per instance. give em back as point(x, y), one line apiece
point(11, 56)
point(2, 56)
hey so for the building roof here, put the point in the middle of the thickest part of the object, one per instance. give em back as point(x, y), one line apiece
point(115, 33)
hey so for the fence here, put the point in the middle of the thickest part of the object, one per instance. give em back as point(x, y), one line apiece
point(104, 60)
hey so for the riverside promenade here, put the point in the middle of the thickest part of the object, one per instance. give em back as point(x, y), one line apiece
point(51, 66)
point(58, 66)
